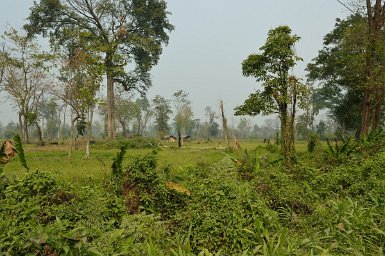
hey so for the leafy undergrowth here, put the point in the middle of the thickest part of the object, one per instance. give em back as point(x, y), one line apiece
point(136, 142)
point(245, 204)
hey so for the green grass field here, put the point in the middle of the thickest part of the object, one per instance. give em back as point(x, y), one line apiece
point(54, 159)
point(200, 199)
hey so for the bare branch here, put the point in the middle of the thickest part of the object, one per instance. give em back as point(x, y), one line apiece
point(347, 7)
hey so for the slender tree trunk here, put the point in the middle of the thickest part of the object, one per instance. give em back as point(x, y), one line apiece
point(208, 131)
point(284, 137)
point(179, 139)
point(224, 122)
point(105, 125)
point(124, 129)
point(72, 138)
point(138, 129)
point(365, 113)
point(110, 105)
point(89, 131)
point(42, 129)
point(21, 127)
point(292, 118)
point(287, 136)
point(40, 133)
point(59, 126)
point(25, 126)
point(377, 110)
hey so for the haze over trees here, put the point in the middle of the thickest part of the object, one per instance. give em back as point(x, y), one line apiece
point(127, 36)
point(118, 43)
point(23, 78)
point(162, 111)
point(304, 182)
point(183, 113)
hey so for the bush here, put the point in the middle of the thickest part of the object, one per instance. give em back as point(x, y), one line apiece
point(137, 142)
point(313, 141)
point(40, 216)
point(143, 189)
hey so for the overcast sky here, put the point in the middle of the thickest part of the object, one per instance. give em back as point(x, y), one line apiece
point(210, 40)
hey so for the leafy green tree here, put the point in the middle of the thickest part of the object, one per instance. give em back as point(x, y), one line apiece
point(374, 90)
point(356, 50)
point(282, 92)
point(127, 35)
point(162, 111)
point(183, 113)
point(340, 70)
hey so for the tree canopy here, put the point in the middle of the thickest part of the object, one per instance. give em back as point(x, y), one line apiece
point(127, 35)
point(281, 90)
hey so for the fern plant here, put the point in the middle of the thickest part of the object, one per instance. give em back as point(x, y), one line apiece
point(342, 148)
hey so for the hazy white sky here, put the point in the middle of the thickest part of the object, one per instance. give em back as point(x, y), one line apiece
point(210, 40)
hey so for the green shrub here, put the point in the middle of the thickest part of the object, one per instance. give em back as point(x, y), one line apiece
point(145, 191)
point(313, 141)
point(40, 215)
point(137, 142)
point(272, 148)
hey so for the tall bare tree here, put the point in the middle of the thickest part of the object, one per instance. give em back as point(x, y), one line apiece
point(23, 77)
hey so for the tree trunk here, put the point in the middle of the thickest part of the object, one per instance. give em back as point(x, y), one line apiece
point(110, 105)
point(375, 17)
point(25, 127)
point(286, 136)
point(224, 122)
point(377, 110)
point(64, 122)
point(292, 118)
point(40, 133)
point(138, 128)
point(21, 127)
point(42, 128)
point(179, 139)
point(89, 131)
point(124, 129)
point(365, 113)
point(59, 126)
point(72, 138)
